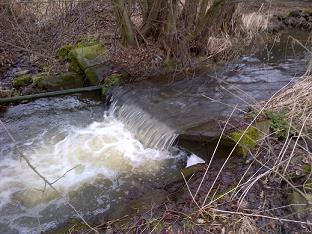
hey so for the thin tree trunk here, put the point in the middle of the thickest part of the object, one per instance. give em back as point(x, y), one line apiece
point(127, 28)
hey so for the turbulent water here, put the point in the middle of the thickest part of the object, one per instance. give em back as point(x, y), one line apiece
point(103, 154)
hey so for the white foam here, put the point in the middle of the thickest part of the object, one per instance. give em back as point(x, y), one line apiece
point(104, 148)
point(193, 160)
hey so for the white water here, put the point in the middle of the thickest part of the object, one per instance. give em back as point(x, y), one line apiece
point(150, 131)
point(75, 156)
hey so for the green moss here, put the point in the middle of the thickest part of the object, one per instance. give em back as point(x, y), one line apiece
point(173, 64)
point(279, 123)
point(308, 185)
point(87, 41)
point(22, 80)
point(110, 82)
point(248, 140)
point(74, 67)
point(51, 82)
point(300, 203)
point(90, 56)
point(307, 169)
point(63, 52)
point(96, 74)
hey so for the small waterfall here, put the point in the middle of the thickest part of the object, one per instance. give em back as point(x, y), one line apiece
point(147, 129)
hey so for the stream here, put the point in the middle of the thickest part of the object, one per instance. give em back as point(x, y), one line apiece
point(102, 159)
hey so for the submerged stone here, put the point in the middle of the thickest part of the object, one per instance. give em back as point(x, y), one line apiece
point(31, 197)
point(50, 82)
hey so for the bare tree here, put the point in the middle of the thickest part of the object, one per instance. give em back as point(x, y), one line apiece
point(177, 24)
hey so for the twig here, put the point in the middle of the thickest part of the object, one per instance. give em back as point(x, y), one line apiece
point(43, 178)
point(262, 216)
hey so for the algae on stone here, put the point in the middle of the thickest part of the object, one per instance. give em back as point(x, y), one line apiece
point(89, 56)
point(248, 140)
point(50, 82)
point(21, 80)
point(63, 52)
point(110, 82)
point(96, 74)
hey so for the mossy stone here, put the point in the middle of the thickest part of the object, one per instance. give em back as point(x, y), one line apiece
point(110, 82)
point(248, 140)
point(50, 82)
point(21, 80)
point(96, 74)
point(63, 52)
point(87, 41)
point(74, 67)
point(89, 56)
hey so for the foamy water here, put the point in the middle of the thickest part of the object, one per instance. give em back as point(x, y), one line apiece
point(71, 158)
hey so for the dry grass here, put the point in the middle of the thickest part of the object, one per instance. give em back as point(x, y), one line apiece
point(297, 101)
point(255, 22)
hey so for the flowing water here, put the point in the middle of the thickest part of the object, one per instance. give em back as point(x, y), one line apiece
point(101, 160)
point(90, 157)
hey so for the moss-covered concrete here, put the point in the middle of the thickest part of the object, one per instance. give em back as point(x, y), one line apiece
point(110, 82)
point(95, 75)
point(89, 56)
point(21, 80)
point(50, 82)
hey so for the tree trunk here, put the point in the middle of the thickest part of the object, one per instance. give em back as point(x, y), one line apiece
point(127, 29)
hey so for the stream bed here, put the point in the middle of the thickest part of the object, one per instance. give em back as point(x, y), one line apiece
point(102, 159)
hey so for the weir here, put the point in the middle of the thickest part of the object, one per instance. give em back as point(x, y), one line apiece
point(146, 128)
